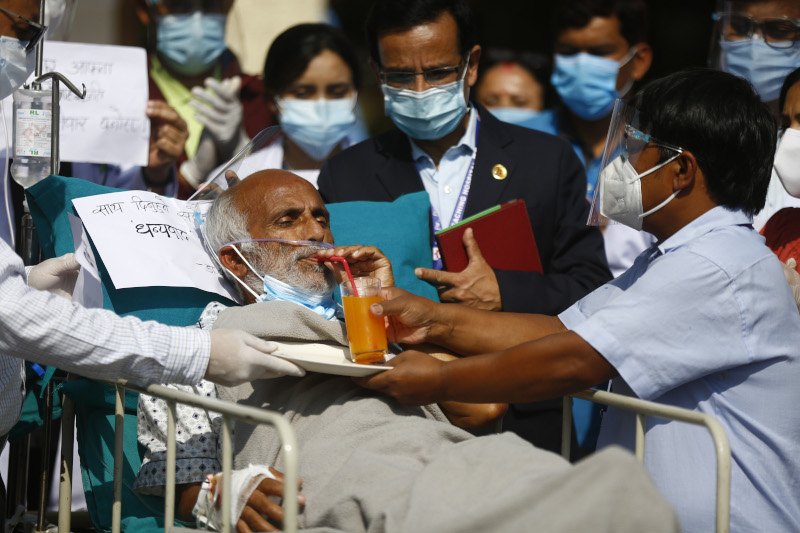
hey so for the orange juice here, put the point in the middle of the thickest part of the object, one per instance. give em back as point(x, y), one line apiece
point(365, 332)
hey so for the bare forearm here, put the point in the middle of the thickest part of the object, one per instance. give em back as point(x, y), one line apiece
point(470, 331)
point(546, 368)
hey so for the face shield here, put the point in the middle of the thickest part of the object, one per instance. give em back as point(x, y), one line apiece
point(762, 48)
point(618, 194)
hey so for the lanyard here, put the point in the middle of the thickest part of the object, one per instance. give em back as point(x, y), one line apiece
point(458, 213)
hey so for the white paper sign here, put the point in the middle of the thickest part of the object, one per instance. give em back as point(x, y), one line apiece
point(109, 125)
point(148, 240)
point(88, 290)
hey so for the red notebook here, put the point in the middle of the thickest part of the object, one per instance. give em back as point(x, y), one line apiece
point(504, 235)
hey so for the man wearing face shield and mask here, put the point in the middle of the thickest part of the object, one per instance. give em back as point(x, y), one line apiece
point(759, 40)
point(47, 328)
point(703, 320)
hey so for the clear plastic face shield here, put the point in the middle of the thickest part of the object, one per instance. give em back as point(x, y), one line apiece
point(254, 157)
point(617, 196)
point(758, 41)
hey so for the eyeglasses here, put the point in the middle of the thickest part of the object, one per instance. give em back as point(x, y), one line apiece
point(778, 32)
point(434, 77)
point(636, 141)
point(26, 29)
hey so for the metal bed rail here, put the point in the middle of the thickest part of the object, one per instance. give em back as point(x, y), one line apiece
point(643, 409)
point(229, 412)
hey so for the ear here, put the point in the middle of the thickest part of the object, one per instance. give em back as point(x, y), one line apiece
point(641, 61)
point(472, 69)
point(686, 171)
point(231, 260)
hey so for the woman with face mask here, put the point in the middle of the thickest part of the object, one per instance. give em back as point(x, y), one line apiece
point(515, 88)
point(782, 230)
point(310, 79)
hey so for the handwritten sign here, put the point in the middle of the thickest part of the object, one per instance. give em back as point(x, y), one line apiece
point(88, 290)
point(149, 240)
point(109, 125)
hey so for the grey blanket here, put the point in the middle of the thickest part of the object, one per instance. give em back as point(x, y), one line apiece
point(369, 464)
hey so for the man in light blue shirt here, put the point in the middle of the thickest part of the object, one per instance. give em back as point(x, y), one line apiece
point(703, 320)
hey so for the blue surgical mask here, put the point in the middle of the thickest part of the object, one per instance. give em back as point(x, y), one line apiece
point(760, 64)
point(16, 65)
point(317, 126)
point(543, 120)
point(191, 43)
point(587, 84)
point(426, 115)
point(276, 290)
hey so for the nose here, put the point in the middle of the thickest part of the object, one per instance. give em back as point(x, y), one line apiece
point(314, 230)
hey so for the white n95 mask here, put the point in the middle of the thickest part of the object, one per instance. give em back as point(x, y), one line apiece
point(621, 192)
point(16, 65)
point(787, 161)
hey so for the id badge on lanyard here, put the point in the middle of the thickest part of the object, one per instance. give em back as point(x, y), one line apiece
point(458, 213)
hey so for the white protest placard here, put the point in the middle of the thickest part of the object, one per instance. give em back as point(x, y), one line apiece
point(109, 125)
point(147, 240)
point(88, 291)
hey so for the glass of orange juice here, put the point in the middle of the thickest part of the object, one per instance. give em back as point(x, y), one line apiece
point(365, 332)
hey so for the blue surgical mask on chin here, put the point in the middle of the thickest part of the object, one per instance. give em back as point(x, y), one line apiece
point(587, 84)
point(276, 290)
point(543, 120)
point(426, 115)
point(762, 65)
point(317, 126)
point(191, 43)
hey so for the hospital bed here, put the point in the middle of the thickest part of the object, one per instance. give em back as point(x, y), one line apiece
point(250, 415)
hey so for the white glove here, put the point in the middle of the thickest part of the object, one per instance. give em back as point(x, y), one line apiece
point(218, 108)
point(197, 169)
point(793, 278)
point(237, 357)
point(57, 275)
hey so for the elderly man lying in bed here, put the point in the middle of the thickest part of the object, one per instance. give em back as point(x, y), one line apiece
point(367, 462)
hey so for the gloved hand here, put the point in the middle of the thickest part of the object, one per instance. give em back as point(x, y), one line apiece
point(793, 278)
point(237, 357)
point(57, 275)
point(197, 169)
point(218, 108)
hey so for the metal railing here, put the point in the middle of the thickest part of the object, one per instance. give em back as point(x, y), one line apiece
point(643, 409)
point(229, 412)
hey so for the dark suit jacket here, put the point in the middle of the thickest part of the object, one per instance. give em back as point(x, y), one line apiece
point(542, 169)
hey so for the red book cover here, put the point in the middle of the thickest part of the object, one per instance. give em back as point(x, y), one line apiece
point(504, 235)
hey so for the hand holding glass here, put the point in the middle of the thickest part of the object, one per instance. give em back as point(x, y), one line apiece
point(365, 332)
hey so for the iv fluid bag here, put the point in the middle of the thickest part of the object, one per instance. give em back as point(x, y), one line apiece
point(32, 135)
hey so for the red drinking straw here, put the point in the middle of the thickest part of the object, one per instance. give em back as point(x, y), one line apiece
point(346, 269)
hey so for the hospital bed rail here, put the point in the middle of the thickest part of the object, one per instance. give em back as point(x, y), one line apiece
point(643, 409)
point(229, 411)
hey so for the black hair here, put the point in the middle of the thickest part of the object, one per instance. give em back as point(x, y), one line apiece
point(291, 52)
point(788, 83)
point(721, 120)
point(401, 15)
point(575, 14)
point(539, 66)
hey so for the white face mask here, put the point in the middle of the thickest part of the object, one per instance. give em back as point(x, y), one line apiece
point(787, 161)
point(16, 65)
point(621, 192)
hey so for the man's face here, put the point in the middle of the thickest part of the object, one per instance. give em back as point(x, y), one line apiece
point(13, 26)
point(773, 15)
point(291, 210)
point(425, 47)
point(601, 37)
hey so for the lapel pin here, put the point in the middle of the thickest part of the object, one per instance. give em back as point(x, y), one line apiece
point(499, 172)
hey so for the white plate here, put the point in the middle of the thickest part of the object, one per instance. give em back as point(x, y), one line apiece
point(325, 358)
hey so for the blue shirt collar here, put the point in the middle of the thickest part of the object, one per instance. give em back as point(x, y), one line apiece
point(708, 221)
point(467, 140)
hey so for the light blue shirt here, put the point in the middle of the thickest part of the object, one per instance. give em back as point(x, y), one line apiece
point(706, 321)
point(444, 185)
